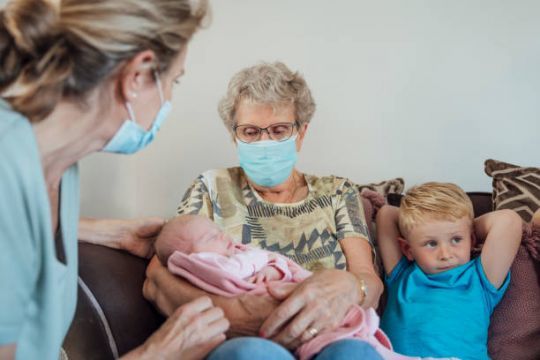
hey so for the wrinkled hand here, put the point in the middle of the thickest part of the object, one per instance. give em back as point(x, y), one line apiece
point(136, 236)
point(254, 311)
point(320, 302)
point(245, 312)
point(191, 332)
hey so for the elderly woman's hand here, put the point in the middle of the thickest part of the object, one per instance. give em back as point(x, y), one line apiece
point(191, 332)
point(166, 291)
point(319, 303)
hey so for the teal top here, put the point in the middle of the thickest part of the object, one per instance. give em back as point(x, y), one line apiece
point(440, 315)
point(38, 292)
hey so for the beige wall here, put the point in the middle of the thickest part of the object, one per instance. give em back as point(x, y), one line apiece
point(425, 90)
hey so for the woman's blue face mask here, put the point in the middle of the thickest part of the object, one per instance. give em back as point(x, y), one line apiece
point(131, 137)
point(268, 162)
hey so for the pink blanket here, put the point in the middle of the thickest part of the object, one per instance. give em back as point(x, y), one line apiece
point(208, 273)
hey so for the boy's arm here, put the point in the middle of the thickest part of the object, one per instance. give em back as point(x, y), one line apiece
point(502, 231)
point(387, 237)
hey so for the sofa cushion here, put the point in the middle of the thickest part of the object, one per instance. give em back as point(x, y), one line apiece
point(514, 332)
point(385, 187)
point(515, 187)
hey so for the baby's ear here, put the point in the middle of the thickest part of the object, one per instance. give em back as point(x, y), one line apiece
point(405, 248)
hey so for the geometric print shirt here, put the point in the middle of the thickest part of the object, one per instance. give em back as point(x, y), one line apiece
point(308, 232)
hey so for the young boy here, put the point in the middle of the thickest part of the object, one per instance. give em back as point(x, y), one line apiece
point(439, 300)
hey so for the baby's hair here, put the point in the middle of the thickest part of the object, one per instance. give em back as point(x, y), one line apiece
point(433, 201)
point(172, 238)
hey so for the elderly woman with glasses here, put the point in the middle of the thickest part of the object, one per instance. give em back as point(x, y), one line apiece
point(268, 203)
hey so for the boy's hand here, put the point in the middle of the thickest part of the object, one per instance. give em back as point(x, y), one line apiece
point(502, 231)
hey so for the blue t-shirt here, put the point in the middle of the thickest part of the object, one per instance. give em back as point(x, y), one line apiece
point(37, 292)
point(440, 315)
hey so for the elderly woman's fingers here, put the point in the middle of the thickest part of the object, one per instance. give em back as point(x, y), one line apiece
point(325, 296)
point(285, 312)
point(310, 322)
point(280, 290)
point(298, 330)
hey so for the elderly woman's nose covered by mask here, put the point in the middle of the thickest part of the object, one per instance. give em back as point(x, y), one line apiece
point(267, 109)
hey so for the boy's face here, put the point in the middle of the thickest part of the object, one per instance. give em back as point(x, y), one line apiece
point(208, 237)
point(439, 245)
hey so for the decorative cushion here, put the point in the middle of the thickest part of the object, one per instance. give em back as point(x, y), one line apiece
point(515, 187)
point(514, 332)
point(384, 188)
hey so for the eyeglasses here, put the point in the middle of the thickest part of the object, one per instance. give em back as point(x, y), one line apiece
point(250, 133)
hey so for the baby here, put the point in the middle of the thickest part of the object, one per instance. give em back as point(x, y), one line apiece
point(191, 238)
point(439, 300)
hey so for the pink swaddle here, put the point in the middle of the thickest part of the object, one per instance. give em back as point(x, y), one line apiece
point(217, 275)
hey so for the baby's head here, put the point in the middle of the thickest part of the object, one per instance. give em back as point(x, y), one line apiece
point(436, 220)
point(191, 234)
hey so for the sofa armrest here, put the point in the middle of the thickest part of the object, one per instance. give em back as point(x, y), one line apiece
point(112, 316)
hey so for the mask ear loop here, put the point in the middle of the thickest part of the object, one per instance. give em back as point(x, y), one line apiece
point(130, 112)
point(160, 90)
point(161, 97)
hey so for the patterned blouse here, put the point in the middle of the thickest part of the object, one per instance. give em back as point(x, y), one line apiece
point(308, 232)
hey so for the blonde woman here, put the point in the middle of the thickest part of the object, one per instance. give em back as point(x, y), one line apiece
point(80, 76)
point(267, 202)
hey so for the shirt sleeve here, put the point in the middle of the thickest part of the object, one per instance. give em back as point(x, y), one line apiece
point(492, 294)
point(350, 219)
point(18, 258)
point(397, 271)
point(196, 200)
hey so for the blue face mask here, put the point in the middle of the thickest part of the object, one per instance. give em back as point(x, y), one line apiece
point(131, 137)
point(268, 162)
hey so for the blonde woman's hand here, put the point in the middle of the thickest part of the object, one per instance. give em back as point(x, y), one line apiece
point(191, 332)
point(135, 236)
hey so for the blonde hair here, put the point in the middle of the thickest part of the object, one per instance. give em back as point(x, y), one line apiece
point(433, 201)
point(50, 51)
point(270, 84)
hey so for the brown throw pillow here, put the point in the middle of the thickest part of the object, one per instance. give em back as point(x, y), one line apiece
point(384, 188)
point(514, 332)
point(515, 187)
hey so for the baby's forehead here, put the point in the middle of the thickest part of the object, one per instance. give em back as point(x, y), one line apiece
point(190, 224)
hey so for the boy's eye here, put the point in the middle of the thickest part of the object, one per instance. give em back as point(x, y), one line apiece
point(456, 240)
point(430, 244)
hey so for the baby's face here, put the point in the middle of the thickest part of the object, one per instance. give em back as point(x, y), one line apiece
point(439, 245)
point(208, 237)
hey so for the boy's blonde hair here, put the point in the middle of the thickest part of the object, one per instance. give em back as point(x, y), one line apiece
point(433, 201)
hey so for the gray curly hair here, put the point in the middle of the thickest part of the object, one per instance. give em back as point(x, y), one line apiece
point(267, 83)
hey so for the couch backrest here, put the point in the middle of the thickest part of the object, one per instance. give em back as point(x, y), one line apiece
point(482, 202)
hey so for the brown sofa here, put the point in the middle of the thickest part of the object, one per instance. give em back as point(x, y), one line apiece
point(112, 317)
